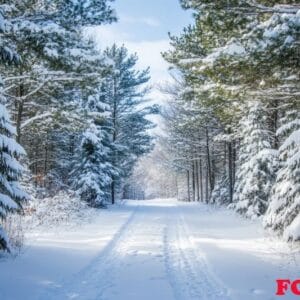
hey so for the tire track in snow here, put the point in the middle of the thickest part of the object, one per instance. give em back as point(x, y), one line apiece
point(188, 272)
point(93, 280)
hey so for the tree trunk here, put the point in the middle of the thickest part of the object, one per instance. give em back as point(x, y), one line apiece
point(230, 171)
point(188, 186)
point(275, 124)
point(194, 181)
point(114, 115)
point(177, 188)
point(20, 108)
point(201, 180)
point(113, 191)
point(207, 186)
point(45, 159)
point(234, 157)
point(197, 180)
point(209, 168)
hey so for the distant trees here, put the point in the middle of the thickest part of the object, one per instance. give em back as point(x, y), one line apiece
point(239, 71)
point(153, 176)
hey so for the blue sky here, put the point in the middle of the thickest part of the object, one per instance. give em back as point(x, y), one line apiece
point(150, 20)
point(143, 28)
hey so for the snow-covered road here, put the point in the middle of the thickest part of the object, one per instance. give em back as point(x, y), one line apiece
point(152, 250)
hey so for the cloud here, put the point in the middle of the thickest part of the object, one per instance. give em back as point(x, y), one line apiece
point(107, 35)
point(149, 52)
point(149, 21)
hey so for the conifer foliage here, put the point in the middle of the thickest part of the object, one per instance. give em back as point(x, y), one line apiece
point(11, 193)
point(257, 164)
point(93, 170)
point(284, 212)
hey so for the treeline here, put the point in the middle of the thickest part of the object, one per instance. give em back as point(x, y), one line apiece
point(234, 118)
point(79, 113)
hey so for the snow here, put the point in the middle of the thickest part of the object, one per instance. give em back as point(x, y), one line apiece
point(293, 230)
point(11, 145)
point(64, 209)
point(231, 49)
point(7, 202)
point(158, 249)
point(37, 117)
point(294, 138)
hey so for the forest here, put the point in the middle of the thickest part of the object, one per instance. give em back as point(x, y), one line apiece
point(231, 120)
point(72, 117)
point(233, 117)
point(76, 121)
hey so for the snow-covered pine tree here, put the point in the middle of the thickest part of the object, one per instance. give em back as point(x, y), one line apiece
point(283, 214)
point(92, 174)
point(124, 93)
point(257, 164)
point(11, 193)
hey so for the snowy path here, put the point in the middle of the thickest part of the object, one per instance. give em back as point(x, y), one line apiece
point(154, 250)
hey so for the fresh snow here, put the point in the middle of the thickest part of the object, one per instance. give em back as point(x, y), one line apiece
point(158, 249)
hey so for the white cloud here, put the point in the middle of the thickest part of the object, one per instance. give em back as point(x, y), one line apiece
point(151, 22)
point(108, 35)
point(149, 52)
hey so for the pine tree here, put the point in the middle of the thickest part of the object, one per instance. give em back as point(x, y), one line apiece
point(93, 172)
point(283, 215)
point(257, 164)
point(124, 94)
point(11, 193)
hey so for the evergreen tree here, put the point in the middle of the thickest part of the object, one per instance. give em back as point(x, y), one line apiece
point(257, 165)
point(124, 94)
point(11, 193)
point(93, 172)
point(283, 215)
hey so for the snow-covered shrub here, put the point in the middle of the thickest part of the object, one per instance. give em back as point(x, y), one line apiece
point(283, 214)
point(13, 226)
point(63, 209)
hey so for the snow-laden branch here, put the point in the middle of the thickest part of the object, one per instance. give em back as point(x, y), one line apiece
point(53, 76)
point(33, 119)
point(280, 8)
point(255, 8)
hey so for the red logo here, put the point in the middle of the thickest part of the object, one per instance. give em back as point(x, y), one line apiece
point(284, 285)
